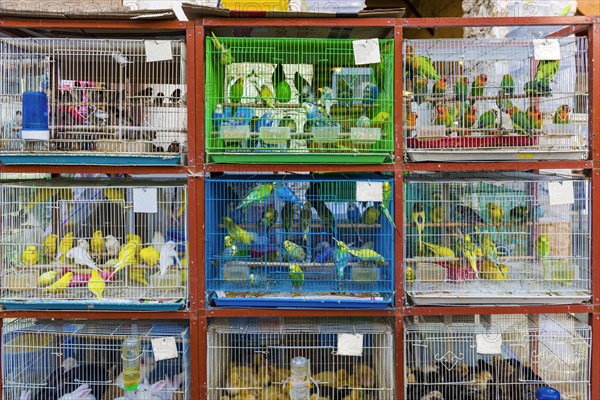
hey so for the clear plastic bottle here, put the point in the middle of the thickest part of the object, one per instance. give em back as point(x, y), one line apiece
point(299, 379)
point(131, 364)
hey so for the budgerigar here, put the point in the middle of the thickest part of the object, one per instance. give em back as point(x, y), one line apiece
point(284, 193)
point(268, 218)
point(327, 99)
point(168, 257)
point(296, 276)
point(439, 251)
point(230, 248)
point(293, 251)
point(149, 255)
point(30, 255)
point(305, 219)
point(341, 258)
point(386, 188)
point(495, 212)
point(266, 96)
point(128, 255)
point(47, 278)
point(370, 215)
point(97, 242)
point(96, 284)
point(236, 91)
point(50, 244)
point(287, 216)
point(81, 256)
point(353, 213)
point(238, 234)
point(542, 246)
point(225, 57)
point(305, 91)
point(465, 246)
point(325, 215)
point(112, 245)
point(418, 218)
point(258, 195)
point(437, 213)
point(60, 284)
point(66, 243)
point(368, 255)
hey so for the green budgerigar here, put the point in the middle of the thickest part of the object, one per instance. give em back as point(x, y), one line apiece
point(268, 218)
point(367, 255)
point(257, 195)
point(293, 251)
point(305, 218)
point(237, 233)
point(287, 216)
point(507, 85)
point(236, 91)
point(266, 96)
point(226, 57)
point(296, 276)
point(370, 215)
point(386, 188)
point(542, 246)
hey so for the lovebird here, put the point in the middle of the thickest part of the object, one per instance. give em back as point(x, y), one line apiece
point(542, 246)
point(97, 242)
point(488, 120)
point(507, 85)
point(495, 213)
point(503, 103)
point(535, 117)
point(96, 284)
point(561, 115)
point(293, 251)
point(519, 119)
point(258, 195)
point(446, 114)
point(47, 278)
point(268, 218)
point(115, 195)
point(296, 276)
point(236, 91)
point(367, 255)
point(81, 256)
point(546, 69)
point(60, 284)
point(305, 91)
point(341, 258)
point(149, 255)
point(477, 87)
point(128, 255)
point(420, 89)
point(370, 215)
point(420, 65)
point(437, 213)
point(411, 119)
point(50, 244)
point(538, 87)
point(226, 57)
point(305, 218)
point(439, 251)
point(440, 86)
point(461, 88)
point(66, 243)
point(30, 256)
point(168, 257)
point(469, 117)
point(238, 234)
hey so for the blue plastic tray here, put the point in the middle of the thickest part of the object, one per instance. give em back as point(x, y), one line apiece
point(89, 305)
point(244, 302)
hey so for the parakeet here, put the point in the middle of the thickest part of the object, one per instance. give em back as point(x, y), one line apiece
point(546, 69)
point(66, 243)
point(293, 251)
point(158, 240)
point(495, 213)
point(538, 87)
point(97, 242)
point(168, 257)
point(370, 215)
point(420, 65)
point(410, 275)
point(316, 117)
point(436, 215)
point(461, 88)
point(230, 248)
point(30, 255)
point(112, 245)
point(322, 253)
point(411, 119)
point(238, 234)
point(287, 216)
point(50, 244)
point(268, 218)
point(535, 117)
point(420, 89)
point(133, 238)
point(440, 86)
point(149, 255)
point(488, 247)
point(519, 214)
point(353, 213)
point(96, 284)
point(47, 278)
point(345, 93)
point(128, 255)
point(488, 120)
point(439, 251)
point(341, 258)
point(225, 57)
point(326, 99)
point(507, 85)
point(502, 102)
point(138, 275)
point(266, 96)
point(325, 215)
point(284, 193)
point(115, 195)
point(60, 284)
point(236, 91)
point(469, 117)
point(278, 75)
point(368, 255)
point(387, 199)
point(296, 276)
point(520, 122)
point(81, 256)
point(466, 247)
point(305, 218)
point(257, 195)
point(477, 86)
point(446, 114)
point(418, 218)
point(542, 246)
point(305, 91)
point(561, 116)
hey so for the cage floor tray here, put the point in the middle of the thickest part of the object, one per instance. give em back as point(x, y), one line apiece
point(454, 155)
point(89, 159)
point(91, 305)
point(287, 300)
point(299, 158)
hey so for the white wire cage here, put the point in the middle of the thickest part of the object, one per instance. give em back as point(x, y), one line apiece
point(83, 359)
point(496, 99)
point(347, 358)
point(117, 97)
point(497, 357)
point(497, 238)
point(81, 243)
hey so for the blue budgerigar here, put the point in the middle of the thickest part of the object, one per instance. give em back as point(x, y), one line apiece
point(341, 258)
point(322, 253)
point(316, 117)
point(284, 193)
point(353, 213)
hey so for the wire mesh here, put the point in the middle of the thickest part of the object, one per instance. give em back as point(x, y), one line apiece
point(497, 357)
point(105, 96)
point(494, 99)
point(106, 243)
point(497, 238)
point(270, 99)
point(320, 239)
point(251, 357)
point(79, 359)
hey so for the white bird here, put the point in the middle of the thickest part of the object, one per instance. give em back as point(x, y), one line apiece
point(112, 245)
point(83, 244)
point(167, 254)
point(327, 99)
point(81, 257)
point(25, 395)
point(83, 392)
point(119, 57)
point(158, 240)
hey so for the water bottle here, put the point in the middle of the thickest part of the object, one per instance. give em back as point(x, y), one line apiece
point(299, 379)
point(131, 364)
point(547, 393)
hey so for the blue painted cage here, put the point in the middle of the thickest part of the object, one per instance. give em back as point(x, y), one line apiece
point(322, 240)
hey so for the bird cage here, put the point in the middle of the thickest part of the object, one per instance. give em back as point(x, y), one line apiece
point(291, 100)
point(102, 360)
point(496, 99)
point(497, 238)
point(283, 358)
point(93, 101)
point(515, 357)
point(310, 240)
point(93, 244)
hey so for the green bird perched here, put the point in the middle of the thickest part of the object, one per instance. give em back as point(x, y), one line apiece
point(466, 247)
point(437, 212)
point(296, 276)
point(287, 216)
point(266, 96)
point(538, 87)
point(439, 251)
point(370, 216)
point(440, 86)
point(380, 69)
point(283, 92)
point(547, 69)
point(305, 218)
point(477, 86)
point(561, 115)
point(418, 218)
point(489, 249)
point(542, 246)
point(237, 233)
point(236, 91)
point(507, 85)
point(293, 251)
point(367, 255)
point(268, 218)
point(305, 91)
point(278, 75)
point(495, 213)
point(259, 194)
point(519, 214)
point(503, 103)
point(226, 56)
point(488, 120)
point(520, 121)
point(461, 88)
point(420, 89)
point(420, 65)
point(325, 215)
point(387, 199)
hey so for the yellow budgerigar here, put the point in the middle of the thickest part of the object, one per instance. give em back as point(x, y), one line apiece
point(96, 284)
point(30, 256)
point(138, 275)
point(150, 255)
point(97, 242)
point(183, 205)
point(60, 284)
point(439, 251)
point(367, 255)
point(66, 244)
point(47, 278)
point(495, 213)
point(128, 255)
point(133, 238)
point(41, 196)
point(50, 244)
point(116, 196)
point(237, 233)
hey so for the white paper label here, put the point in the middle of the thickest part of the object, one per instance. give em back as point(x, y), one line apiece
point(369, 191)
point(350, 344)
point(164, 348)
point(489, 343)
point(561, 193)
point(546, 49)
point(158, 50)
point(145, 200)
point(366, 51)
